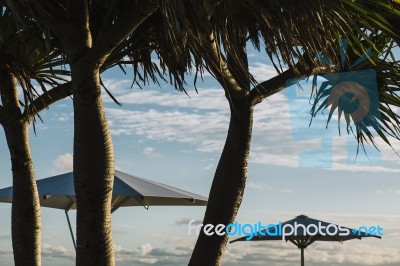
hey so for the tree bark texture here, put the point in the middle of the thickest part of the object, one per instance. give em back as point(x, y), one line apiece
point(25, 216)
point(228, 186)
point(93, 170)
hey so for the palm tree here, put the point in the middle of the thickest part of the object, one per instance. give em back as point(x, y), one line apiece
point(293, 33)
point(89, 32)
point(204, 31)
point(23, 58)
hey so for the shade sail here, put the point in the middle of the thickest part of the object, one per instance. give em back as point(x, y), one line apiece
point(129, 190)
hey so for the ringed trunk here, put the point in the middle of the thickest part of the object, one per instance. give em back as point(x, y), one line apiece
point(93, 170)
point(25, 212)
point(228, 186)
point(25, 217)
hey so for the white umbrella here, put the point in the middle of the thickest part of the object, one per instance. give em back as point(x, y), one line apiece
point(58, 192)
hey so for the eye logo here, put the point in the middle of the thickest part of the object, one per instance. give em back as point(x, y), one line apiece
point(353, 93)
point(350, 95)
point(352, 99)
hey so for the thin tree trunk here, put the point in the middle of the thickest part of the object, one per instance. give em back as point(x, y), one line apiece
point(25, 207)
point(25, 217)
point(228, 186)
point(93, 170)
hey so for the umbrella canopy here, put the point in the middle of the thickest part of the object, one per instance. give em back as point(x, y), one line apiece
point(302, 239)
point(58, 192)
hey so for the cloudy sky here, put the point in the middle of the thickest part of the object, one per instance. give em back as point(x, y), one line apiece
point(166, 136)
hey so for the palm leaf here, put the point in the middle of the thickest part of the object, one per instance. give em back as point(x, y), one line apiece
point(24, 55)
point(381, 117)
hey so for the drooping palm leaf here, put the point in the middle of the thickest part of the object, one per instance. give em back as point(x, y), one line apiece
point(383, 69)
point(24, 55)
point(292, 33)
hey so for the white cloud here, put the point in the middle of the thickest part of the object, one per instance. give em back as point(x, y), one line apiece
point(205, 99)
point(319, 253)
point(367, 252)
point(145, 249)
point(202, 121)
point(57, 252)
point(151, 153)
point(362, 168)
point(287, 190)
point(122, 230)
point(116, 86)
point(388, 191)
point(186, 221)
point(208, 166)
point(258, 185)
point(280, 253)
point(171, 126)
point(262, 72)
point(146, 254)
point(64, 117)
point(275, 122)
point(63, 163)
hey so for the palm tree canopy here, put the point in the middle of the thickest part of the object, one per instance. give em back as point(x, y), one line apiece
point(291, 33)
point(376, 72)
point(23, 54)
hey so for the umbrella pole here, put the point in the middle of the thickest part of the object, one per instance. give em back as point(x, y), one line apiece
point(302, 256)
point(70, 229)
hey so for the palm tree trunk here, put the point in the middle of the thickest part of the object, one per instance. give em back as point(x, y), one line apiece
point(25, 216)
point(93, 149)
point(93, 170)
point(25, 207)
point(228, 186)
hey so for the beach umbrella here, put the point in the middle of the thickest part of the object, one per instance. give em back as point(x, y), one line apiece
point(129, 190)
point(302, 231)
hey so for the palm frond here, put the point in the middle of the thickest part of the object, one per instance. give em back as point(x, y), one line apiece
point(23, 54)
point(171, 42)
point(369, 96)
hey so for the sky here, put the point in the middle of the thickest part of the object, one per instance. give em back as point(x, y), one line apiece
point(166, 136)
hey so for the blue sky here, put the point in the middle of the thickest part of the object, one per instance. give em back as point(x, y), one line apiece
point(163, 135)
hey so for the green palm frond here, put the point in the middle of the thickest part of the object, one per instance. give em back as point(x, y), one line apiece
point(283, 29)
point(379, 65)
point(292, 34)
point(161, 47)
point(287, 30)
point(24, 55)
point(290, 29)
